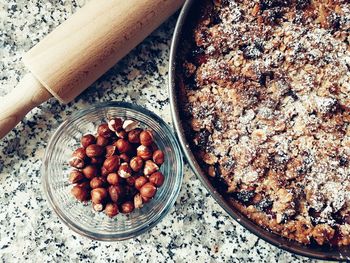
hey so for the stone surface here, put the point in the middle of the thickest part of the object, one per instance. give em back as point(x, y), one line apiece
point(197, 229)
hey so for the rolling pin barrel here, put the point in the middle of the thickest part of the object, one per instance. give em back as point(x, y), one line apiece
point(84, 47)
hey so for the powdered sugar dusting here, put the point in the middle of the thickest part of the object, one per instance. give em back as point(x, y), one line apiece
point(271, 104)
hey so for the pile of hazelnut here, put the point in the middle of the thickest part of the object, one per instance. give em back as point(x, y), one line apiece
point(118, 169)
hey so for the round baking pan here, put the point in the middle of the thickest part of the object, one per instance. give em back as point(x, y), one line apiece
point(180, 44)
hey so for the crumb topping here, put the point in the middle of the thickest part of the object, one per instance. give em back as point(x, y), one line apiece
point(268, 85)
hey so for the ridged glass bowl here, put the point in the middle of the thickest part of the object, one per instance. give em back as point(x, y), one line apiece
point(81, 217)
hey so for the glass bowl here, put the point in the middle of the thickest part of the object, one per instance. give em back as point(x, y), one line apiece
point(81, 217)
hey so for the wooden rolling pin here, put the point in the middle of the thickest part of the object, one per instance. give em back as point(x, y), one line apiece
point(80, 50)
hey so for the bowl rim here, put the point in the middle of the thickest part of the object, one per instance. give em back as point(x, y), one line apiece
point(155, 219)
point(268, 236)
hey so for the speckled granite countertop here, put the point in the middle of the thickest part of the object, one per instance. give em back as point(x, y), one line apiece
point(196, 229)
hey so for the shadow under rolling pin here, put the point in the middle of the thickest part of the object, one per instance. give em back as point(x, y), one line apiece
point(80, 50)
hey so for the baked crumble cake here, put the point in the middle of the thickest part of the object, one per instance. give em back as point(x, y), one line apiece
point(267, 88)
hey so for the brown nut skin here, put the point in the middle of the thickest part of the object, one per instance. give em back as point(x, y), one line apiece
point(104, 131)
point(115, 191)
point(144, 152)
point(146, 138)
point(99, 195)
point(102, 141)
point(110, 150)
point(115, 124)
point(94, 150)
point(80, 193)
point(80, 153)
point(136, 163)
point(121, 190)
point(138, 202)
point(112, 163)
point(127, 207)
point(131, 180)
point(90, 171)
point(150, 168)
point(122, 134)
point(141, 181)
point(148, 190)
point(124, 157)
point(77, 162)
point(157, 179)
point(97, 182)
point(87, 140)
point(111, 209)
point(124, 170)
point(113, 179)
point(158, 157)
point(104, 172)
point(76, 176)
point(97, 160)
point(134, 135)
point(123, 146)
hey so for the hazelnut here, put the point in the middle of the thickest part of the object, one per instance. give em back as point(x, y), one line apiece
point(121, 190)
point(211, 171)
point(104, 131)
point(113, 179)
point(123, 146)
point(114, 192)
point(115, 124)
point(144, 152)
point(97, 207)
point(110, 150)
point(77, 162)
point(138, 202)
point(94, 150)
point(158, 157)
point(104, 172)
point(75, 176)
point(131, 180)
point(148, 190)
point(90, 171)
point(129, 125)
point(96, 160)
point(87, 139)
point(139, 182)
point(134, 135)
point(99, 195)
point(146, 138)
point(136, 163)
point(157, 179)
point(124, 170)
point(111, 209)
point(127, 207)
point(97, 182)
point(111, 164)
point(150, 168)
point(80, 153)
point(122, 134)
point(124, 157)
point(102, 141)
point(80, 193)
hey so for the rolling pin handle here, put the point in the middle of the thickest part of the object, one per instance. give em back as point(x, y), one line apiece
point(28, 94)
